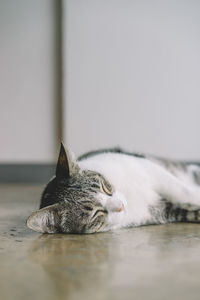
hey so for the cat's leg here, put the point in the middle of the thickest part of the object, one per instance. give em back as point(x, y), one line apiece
point(169, 212)
point(177, 191)
point(179, 201)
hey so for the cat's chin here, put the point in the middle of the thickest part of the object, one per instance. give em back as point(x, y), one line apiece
point(115, 220)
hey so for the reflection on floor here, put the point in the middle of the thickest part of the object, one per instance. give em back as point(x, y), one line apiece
point(153, 262)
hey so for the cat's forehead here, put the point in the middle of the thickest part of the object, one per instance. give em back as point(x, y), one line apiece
point(76, 183)
point(91, 175)
point(82, 176)
point(80, 187)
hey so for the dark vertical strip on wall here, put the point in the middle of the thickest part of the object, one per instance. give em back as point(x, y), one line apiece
point(59, 69)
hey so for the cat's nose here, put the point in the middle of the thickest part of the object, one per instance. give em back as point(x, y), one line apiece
point(121, 208)
point(115, 205)
point(118, 209)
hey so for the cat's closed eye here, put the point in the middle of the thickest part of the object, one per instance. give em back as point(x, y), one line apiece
point(106, 188)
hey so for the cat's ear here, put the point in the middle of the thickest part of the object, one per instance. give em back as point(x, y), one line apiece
point(65, 164)
point(45, 220)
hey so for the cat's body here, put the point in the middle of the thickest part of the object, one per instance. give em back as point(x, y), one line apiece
point(120, 189)
point(149, 186)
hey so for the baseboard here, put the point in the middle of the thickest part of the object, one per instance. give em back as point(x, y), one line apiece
point(26, 173)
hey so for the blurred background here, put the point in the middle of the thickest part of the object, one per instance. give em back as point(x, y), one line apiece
point(95, 74)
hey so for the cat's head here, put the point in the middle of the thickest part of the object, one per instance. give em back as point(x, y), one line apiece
point(76, 201)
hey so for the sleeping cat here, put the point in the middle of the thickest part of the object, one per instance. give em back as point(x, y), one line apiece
point(110, 189)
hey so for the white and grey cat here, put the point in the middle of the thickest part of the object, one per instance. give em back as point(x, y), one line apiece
point(110, 189)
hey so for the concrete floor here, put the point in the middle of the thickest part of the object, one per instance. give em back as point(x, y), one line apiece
point(153, 262)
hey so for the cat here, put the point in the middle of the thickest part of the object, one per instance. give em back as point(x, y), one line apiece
point(110, 189)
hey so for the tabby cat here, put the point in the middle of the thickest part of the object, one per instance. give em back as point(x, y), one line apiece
point(110, 189)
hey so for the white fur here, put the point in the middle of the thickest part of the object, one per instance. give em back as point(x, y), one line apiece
point(139, 183)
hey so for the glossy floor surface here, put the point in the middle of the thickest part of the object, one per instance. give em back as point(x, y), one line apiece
point(153, 262)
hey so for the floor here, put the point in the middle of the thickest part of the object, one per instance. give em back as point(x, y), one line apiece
point(153, 262)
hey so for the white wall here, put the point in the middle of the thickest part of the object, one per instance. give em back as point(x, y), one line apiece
point(132, 76)
point(27, 81)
